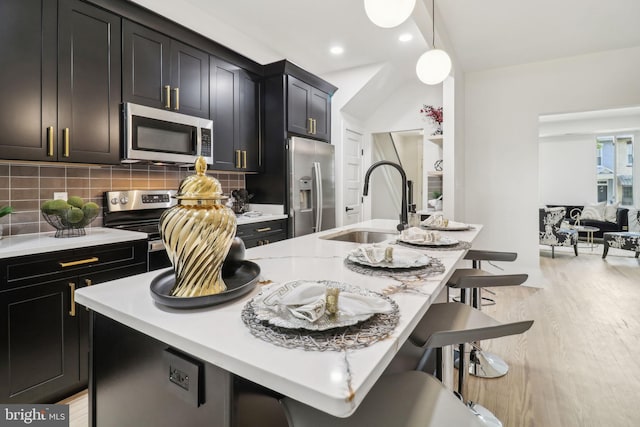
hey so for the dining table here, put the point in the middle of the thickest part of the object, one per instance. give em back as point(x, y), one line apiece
point(134, 338)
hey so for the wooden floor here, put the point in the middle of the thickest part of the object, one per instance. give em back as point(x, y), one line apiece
point(576, 366)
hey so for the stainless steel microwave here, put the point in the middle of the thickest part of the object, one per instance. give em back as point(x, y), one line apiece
point(155, 135)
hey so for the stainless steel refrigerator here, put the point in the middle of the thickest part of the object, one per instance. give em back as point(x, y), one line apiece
point(312, 201)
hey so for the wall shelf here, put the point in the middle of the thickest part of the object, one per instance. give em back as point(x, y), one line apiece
point(436, 138)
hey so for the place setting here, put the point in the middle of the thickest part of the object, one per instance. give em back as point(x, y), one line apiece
point(430, 239)
point(440, 223)
point(387, 259)
point(320, 315)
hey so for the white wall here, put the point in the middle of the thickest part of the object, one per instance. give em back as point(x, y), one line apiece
point(501, 144)
point(567, 170)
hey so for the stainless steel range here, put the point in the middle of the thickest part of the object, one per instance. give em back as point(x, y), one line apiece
point(140, 210)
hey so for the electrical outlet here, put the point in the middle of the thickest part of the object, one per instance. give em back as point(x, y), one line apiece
point(62, 195)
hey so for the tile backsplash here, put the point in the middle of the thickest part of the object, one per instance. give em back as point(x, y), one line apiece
point(25, 186)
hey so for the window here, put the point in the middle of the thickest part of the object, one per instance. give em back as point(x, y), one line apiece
point(614, 166)
point(627, 195)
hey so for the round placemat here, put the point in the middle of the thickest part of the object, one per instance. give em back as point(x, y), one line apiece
point(461, 245)
point(360, 335)
point(434, 267)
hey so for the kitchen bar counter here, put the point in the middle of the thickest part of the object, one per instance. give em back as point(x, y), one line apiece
point(37, 243)
point(217, 335)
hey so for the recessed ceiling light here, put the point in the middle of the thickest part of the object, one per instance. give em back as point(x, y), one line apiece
point(406, 37)
point(337, 50)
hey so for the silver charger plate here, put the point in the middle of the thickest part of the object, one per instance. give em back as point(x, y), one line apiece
point(284, 319)
point(420, 261)
point(448, 228)
point(444, 241)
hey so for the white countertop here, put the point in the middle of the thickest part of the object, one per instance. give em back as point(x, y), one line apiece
point(217, 334)
point(28, 244)
point(244, 219)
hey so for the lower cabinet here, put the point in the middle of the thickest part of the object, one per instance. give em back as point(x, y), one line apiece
point(44, 334)
point(262, 233)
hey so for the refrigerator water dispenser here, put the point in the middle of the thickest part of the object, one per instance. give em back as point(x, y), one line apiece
point(304, 186)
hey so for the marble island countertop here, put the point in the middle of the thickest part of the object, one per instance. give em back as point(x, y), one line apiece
point(28, 244)
point(334, 382)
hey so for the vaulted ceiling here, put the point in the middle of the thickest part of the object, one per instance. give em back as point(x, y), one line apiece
point(482, 33)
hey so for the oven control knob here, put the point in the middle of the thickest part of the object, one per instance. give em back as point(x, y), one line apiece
point(124, 200)
point(114, 201)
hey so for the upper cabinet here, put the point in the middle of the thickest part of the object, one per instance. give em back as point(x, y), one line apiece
point(308, 110)
point(235, 111)
point(62, 91)
point(164, 73)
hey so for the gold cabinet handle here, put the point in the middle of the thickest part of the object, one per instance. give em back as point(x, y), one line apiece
point(315, 126)
point(72, 308)
point(65, 138)
point(176, 98)
point(310, 125)
point(167, 97)
point(50, 136)
point(88, 282)
point(79, 262)
point(238, 154)
point(262, 230)
point(244, 159)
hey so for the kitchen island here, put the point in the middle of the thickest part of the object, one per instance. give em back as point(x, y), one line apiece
point(215, 344)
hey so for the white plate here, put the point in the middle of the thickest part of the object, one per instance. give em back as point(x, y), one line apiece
point(402, 258)
point(444, 241)
point(284, 318)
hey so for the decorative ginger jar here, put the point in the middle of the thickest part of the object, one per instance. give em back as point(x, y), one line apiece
point(197, 234)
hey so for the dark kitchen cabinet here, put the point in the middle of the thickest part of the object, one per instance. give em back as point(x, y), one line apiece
point(290, 97)
point(43, 332)
point(262, 233)
point(161, 72)
point(308, 110)
point(235, 111)
point(60, 82)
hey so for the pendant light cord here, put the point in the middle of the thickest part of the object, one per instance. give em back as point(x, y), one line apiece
point(433, 24)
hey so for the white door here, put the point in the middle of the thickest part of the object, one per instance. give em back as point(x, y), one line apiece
point(352, 173)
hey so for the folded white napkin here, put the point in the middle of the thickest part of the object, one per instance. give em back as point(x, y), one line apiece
point(440, 221)
point(434, 220)
point(374, 254)
point(307, 300)
point(418, 235)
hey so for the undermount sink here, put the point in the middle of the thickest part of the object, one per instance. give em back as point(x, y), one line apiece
point(361, 236)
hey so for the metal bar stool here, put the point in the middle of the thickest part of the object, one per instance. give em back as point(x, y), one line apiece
point(408, 399)
point(456, 324)
point(483, 363)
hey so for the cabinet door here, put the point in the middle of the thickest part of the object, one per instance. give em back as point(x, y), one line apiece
point(224, 113)
point(298, 102)
point(27, 78)
point(189, 80)
point(321, 114)
point(89, 84)
point(145, 66)
point(39, 336)
point(249, 139)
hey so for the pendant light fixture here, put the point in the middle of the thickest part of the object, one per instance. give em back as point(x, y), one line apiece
point(388, 13)
point(434, 65)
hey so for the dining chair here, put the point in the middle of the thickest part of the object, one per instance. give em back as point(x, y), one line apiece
point(407, 399)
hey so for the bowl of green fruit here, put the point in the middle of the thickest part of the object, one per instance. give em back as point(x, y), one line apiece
point(69, 217)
